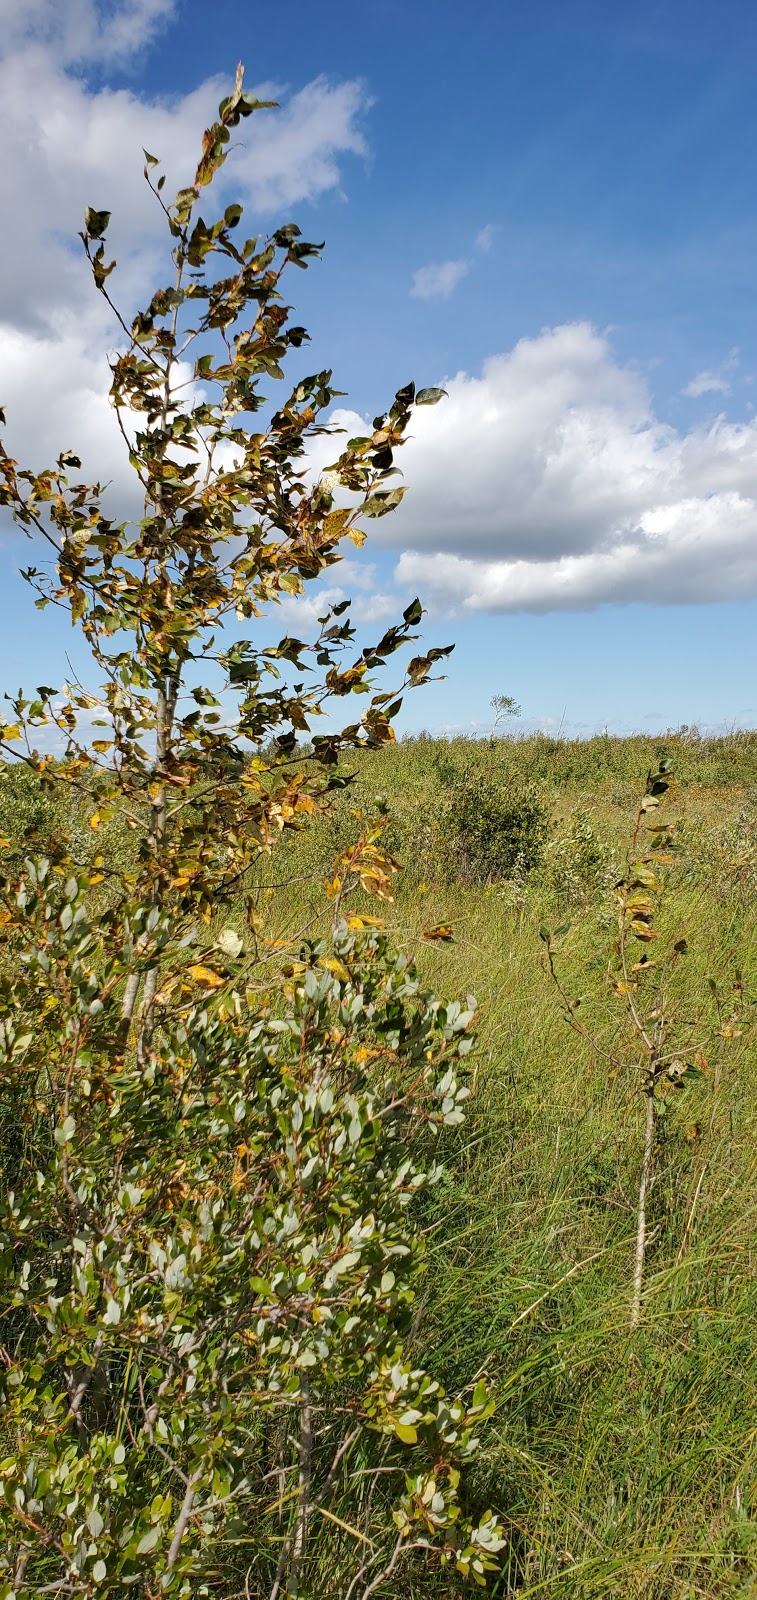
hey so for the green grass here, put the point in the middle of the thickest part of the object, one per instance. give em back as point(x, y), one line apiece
point(624, 1465)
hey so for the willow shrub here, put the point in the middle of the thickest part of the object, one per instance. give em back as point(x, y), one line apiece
point(208, 1249)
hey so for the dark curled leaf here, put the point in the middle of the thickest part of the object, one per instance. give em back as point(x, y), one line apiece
point(430, 397)
point(96, 222)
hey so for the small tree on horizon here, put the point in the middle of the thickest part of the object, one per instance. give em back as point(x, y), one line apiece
point(215, 1138)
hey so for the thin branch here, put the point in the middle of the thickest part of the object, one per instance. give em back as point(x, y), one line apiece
point(183, 1519)
point(641, 1224)
point(305, 1460)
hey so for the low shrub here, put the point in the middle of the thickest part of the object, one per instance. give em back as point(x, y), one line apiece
point(577, 861)
point(493, 829)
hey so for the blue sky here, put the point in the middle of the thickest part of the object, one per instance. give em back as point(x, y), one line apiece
point(551, 210)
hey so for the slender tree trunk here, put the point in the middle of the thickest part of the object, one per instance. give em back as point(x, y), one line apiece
point(641, 1212)
point(163, 720)
point(303, 1499)
point(130, 998)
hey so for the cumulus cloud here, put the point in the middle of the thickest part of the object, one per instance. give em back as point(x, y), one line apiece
point(548, 482)
point(67, 145)
point(438, 280)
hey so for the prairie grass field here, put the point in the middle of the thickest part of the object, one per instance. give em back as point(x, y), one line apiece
point(624, 1463)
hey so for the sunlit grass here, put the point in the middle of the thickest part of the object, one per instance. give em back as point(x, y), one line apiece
point(624, 1465)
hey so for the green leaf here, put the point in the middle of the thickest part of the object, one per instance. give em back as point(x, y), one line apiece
point(381, 501)
point(430, 397)
point(406, 1432)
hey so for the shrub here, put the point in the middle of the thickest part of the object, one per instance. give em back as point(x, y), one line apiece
point(209, 1247)
point(726, 857)
point(577, 862)
point(27, 811)
point(494, 830)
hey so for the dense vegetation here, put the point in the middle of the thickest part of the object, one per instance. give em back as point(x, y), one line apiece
point(622, 1464)
point(300, 1295)
point(217, 1141)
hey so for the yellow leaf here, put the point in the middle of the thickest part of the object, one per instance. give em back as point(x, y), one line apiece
point(101, 744)
point(405, 1432)
point(357, 536)
point(442, 931)
point(336, 966)
point(9, 731)
point(206, 977)
point(375, 882)
point(95, 820)
point(96, 877)
point(334, 522)
point(359, 923)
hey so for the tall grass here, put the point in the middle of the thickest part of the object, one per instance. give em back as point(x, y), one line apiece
point(624, 1464)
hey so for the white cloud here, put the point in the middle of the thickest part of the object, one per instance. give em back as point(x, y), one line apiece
point(485, 238)
point(367, 609)
point(437, 281)
point(713, 382)
point(66, 146)
point(80, 29)
point(548, 483)
point(706, 383)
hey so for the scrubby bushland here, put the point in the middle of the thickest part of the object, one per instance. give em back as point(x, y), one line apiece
point(250, 1322)
point(622, 1464)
